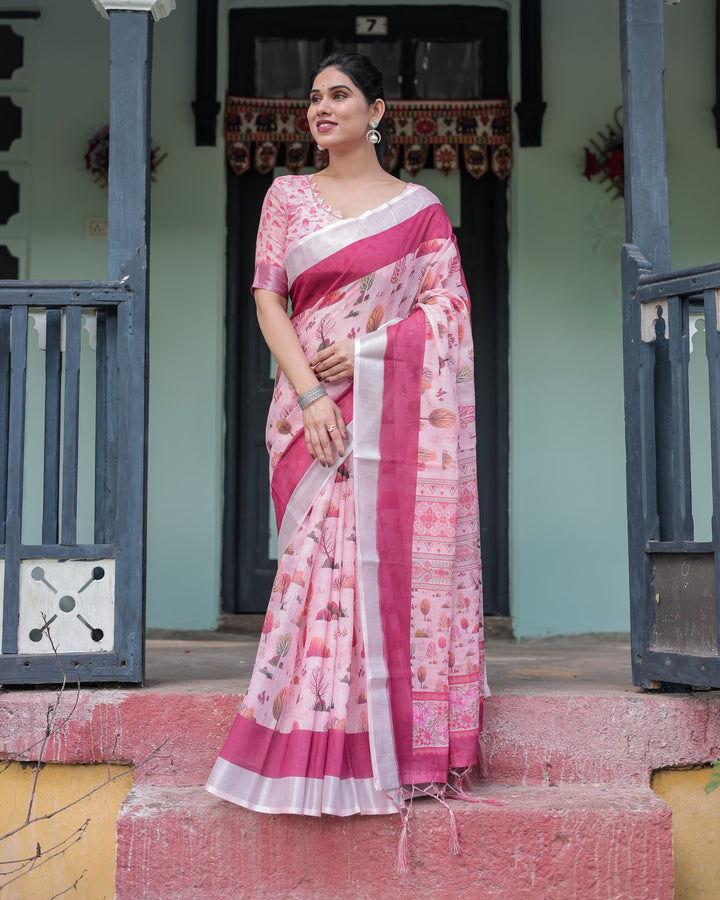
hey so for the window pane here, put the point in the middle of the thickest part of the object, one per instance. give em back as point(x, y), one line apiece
point(447, 69)
point(283, 67)
point(387, 56)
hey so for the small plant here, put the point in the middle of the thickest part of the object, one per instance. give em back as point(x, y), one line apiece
point(713, 781)
point(12, 870)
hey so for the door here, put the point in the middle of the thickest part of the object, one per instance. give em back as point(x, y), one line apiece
point(452, 53)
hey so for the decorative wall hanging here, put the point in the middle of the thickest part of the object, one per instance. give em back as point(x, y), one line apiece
point(256, 127)
point(98, 155)
point(605, 157)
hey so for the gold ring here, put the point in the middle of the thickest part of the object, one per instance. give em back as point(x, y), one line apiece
point(331, 428)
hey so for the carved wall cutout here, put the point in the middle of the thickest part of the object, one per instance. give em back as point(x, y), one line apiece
point(11, 51)
point(10, 123)
point(9, 264)
point(9, 197)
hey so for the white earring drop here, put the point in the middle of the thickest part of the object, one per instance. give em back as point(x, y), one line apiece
point(373, 136)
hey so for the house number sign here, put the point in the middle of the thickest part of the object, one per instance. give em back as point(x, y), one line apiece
point(371, 25)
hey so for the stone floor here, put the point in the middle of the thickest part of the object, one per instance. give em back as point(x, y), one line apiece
point(202, 662)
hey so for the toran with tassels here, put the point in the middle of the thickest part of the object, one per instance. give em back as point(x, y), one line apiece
point(256, 127)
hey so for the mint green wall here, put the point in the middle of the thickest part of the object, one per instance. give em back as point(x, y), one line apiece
point(568, 526)
point(568, 537)
point(69, 97)
point(569, 564)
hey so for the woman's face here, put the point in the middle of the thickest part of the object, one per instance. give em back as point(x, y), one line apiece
point(338, 115)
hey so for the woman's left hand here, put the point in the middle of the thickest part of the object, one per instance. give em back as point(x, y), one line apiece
point(335, 362)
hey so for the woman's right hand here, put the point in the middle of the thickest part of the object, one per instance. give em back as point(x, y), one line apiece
point(324, 429)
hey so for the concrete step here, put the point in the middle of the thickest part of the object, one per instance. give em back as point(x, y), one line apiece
point(581, 842)
point(617, 738)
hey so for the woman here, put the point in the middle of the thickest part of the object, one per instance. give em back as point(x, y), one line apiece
point(369, 676)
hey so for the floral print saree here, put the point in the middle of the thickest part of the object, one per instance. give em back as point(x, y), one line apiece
point(369, 675)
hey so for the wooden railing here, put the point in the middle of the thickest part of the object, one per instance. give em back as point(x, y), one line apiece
point(51, 588)
point(674, 578)
point(70, 606)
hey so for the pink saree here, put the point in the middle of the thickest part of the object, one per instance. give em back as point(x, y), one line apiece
point(369, 676)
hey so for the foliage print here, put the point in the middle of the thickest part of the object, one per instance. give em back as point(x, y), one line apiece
point(310, 672)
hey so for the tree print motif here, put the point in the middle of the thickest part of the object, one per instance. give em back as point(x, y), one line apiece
point(282, 645)
point(280, 586)
point(318, 686)
point(374, 320)
point(268, 623)
point(312, 641)
point(318, 647)
point(278, 705)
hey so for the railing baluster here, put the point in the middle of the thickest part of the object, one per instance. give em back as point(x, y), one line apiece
point(16, 447)
point(4, 412)
point(53, 388)
point(712, 349)
point(105, 426)
point(672, 425)
point(101, 369)
point(73, 324)
point(111, 420)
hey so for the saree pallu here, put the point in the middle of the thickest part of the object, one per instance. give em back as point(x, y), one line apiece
point(370, 671)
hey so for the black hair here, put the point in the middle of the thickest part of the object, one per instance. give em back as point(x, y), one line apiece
point(366, 76)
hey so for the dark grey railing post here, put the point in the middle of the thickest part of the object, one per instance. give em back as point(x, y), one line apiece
point(647, 233)
point(128, 248)
point(647, 222)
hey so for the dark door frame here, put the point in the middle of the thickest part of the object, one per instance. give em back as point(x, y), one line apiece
point(245, 523)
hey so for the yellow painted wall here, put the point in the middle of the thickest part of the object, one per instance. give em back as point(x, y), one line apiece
point(89, 856)
point(695, 831)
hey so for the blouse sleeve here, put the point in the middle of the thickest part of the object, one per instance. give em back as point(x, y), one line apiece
point(270, 249)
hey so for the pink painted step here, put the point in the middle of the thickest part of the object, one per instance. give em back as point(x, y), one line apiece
point(565, 843)
point(533, 740)
point(618, 738)
point(600, 833)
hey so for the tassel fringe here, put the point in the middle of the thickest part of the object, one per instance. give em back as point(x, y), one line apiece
point(459, 784)
point(403, 860)
point(455, 848)
point(482, 759)
point(458, 787)
point(403, 804)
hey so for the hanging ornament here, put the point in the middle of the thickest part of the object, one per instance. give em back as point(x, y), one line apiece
point(296, 155)
point(97, 157)
point(238, 153)
point(605, 157)
point(415, 157)
point(501, 160)
point(446, 158)
point(266, 154)
point(476, 160)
